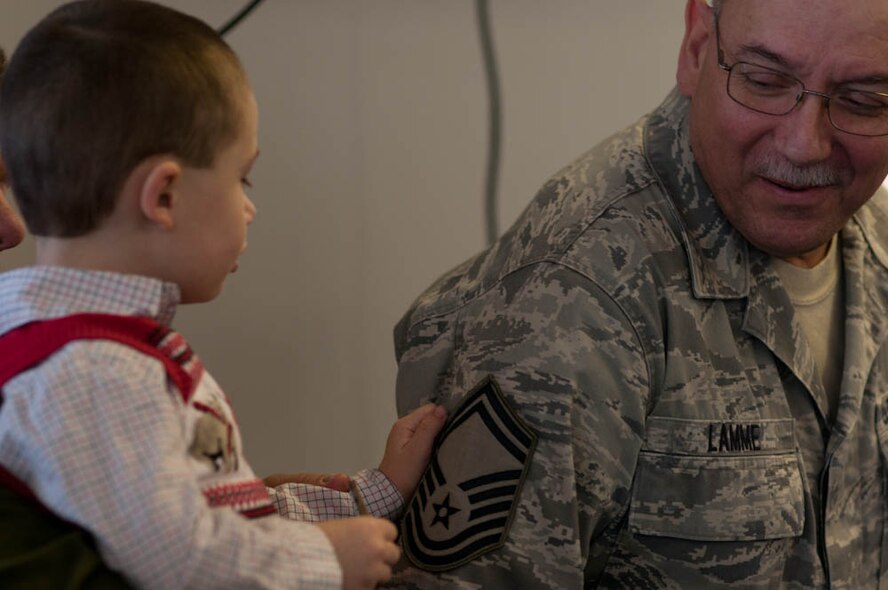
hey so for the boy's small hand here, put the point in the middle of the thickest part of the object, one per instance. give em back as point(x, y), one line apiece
point(366, 550)
point(409, 446)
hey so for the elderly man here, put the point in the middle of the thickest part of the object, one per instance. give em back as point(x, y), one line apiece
point(671, 372)
point(12, 230)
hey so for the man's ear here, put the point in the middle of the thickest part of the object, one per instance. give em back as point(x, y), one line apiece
point(157, 185)
point(698, 34)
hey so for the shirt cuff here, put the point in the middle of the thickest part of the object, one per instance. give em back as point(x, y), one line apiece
point(379, 494)
point(309, 503)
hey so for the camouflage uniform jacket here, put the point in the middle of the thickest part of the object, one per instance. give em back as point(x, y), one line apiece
point(682, 439)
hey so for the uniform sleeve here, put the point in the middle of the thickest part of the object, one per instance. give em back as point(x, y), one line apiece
point(314, 504)
point(101, 440)
point(570, 363)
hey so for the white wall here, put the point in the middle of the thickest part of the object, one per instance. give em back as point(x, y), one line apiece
point(373, 134)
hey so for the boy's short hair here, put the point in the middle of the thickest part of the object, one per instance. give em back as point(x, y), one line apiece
point(96, 87)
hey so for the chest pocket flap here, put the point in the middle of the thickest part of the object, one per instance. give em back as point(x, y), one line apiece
point(718, 481)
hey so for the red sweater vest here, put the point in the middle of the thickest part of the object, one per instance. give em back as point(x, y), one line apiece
point(29, 345)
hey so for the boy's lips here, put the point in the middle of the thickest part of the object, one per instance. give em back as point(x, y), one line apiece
point(237, 260)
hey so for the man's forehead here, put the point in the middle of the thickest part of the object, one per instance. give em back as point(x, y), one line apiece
point(842, 13)
point(798, 31)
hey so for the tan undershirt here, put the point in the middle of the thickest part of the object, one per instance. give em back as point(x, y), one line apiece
point(818, 295)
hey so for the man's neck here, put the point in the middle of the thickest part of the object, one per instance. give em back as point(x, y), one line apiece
point(808, 259)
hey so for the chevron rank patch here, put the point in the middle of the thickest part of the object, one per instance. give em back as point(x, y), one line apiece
point(464, 504)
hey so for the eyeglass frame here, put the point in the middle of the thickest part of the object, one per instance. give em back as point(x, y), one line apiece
point(827, 98)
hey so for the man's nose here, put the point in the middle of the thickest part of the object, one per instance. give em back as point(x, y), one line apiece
point(805, 135)
point(12, 230)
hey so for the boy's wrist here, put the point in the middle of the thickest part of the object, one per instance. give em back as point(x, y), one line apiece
point(393, 480)
point(379, 493)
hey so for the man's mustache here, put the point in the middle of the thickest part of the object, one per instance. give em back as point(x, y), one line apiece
point(786, 173)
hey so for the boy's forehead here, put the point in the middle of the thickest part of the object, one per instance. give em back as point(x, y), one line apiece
point(245, 142)
point(251, 120)
point(248, 106)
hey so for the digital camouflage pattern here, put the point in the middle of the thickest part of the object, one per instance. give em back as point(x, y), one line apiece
point(682, 433)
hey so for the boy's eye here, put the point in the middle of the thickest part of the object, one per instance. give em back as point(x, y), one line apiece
point(246, 182)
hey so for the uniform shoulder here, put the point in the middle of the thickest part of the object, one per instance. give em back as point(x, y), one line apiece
point(873, 221)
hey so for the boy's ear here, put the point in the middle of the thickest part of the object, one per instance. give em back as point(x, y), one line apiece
point(157, 189)
point(698, 34)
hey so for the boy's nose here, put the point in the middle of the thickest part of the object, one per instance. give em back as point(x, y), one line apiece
point(249, 210)
point(12, 230)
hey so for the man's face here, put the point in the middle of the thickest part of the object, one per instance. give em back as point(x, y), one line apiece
point(753, 162)
point(12, 230)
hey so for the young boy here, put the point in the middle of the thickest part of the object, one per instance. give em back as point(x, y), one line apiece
point(128, 131)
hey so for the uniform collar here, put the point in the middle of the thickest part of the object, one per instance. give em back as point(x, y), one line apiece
point(872, 219)
point(718, 255)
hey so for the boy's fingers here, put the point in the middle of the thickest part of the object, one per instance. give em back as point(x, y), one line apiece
point(414, 418)
point(425, 415)
point(432, 423)
point(339, 482)
point(392, 554)
point(390, 532)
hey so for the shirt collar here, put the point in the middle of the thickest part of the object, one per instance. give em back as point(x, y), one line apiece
point(47, 292)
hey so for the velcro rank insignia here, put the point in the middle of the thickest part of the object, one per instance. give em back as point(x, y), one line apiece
point(467, 497)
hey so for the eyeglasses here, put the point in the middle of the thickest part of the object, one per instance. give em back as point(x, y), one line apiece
point(769, 91)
